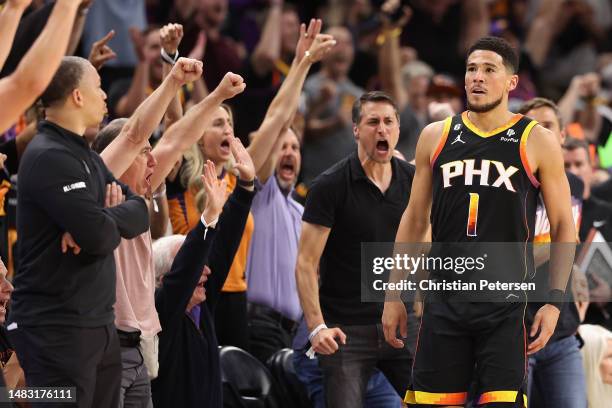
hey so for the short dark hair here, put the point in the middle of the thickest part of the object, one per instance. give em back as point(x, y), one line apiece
point(539, 102)
point(501, 47)
point(372, 96)
point(571, 144)
point(108, 134)
point(66, 79)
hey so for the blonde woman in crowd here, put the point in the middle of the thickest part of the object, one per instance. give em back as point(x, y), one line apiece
point(186, 199)
point(597, 361)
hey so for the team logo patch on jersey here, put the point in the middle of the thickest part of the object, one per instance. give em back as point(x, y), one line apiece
point(457, 126)
point(458, 139)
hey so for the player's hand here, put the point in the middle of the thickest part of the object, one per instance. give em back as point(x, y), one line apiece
point(545, 322)
point(69, 243)
point(186, 70)
point(101, 52)
point(244, 163)
point(171, 36)
point(325, 340)
point(3, 158)
point(395, 315)
point(230, 86)
point(114, 195)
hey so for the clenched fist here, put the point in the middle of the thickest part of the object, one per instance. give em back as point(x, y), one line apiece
point(186, 70)
point(230, 86)
point(171, 36)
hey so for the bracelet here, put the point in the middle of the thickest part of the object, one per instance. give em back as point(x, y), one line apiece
point(169, 59)
point(316, 331)
point(556, 298)
point(244, 183)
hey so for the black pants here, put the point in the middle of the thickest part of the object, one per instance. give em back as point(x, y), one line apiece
point(231, 320)
point(346, 372)
point(86, 358)
point(268, 334)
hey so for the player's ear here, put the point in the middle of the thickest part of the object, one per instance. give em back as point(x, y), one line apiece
point(513, 83)
point(356, 132)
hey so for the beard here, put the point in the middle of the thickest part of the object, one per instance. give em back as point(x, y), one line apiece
point(484, 108)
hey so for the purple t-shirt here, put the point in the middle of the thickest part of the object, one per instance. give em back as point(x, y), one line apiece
point(271, 262)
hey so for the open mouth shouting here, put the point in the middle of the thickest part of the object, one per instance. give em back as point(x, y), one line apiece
point(225, 147)
point(287, 169)
point(382, 147)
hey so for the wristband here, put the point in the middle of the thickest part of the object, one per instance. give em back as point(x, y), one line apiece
point(316, 331)
point(556, 298)
point(169, 59)
point(244, 183)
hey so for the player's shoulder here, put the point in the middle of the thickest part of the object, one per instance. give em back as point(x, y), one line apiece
point(431, 136)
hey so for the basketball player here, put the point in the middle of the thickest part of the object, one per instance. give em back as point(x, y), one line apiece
point(478, 177)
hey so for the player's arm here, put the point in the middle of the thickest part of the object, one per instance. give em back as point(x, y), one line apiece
point(413, 228)
point(38, 66)
point(312, 242)
point(544, 151)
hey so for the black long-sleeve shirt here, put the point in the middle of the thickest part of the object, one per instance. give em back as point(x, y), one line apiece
point(62, 188)
point(189, 370)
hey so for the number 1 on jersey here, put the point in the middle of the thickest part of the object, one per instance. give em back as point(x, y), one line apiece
point(472, 215)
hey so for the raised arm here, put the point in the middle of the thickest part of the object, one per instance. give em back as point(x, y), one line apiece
point(77, 27)
point(38, 66)
point(233, 222)
point(389, 60)
point(268, 48)
point(9, 21)
point(544, 152)
point(475, 23)
point(171, 36)
point(543, 30)
point(120, 154)
point(137, 92)
point(284, 104)
point(184, 133)
point(413, 228)
point(177, 287)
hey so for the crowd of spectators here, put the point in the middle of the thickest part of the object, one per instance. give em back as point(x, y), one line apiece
point(157, 155)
